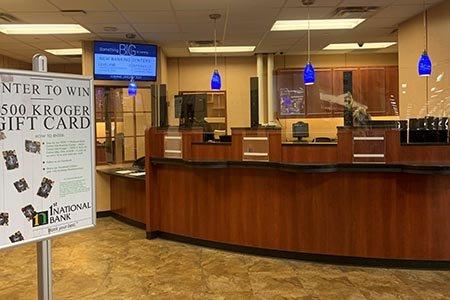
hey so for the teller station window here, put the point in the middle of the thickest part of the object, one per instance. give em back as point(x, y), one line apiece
point(121, 121)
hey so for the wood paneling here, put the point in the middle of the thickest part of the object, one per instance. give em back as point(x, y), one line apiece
point(309, 154)
point(205, 151)
point(190, 136)
point(378, 215)
point(373, 89)
point(128, 198)
point(11, 63)
point(345, 145)
point(66, 68)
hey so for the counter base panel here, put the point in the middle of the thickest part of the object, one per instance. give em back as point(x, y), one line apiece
point(369, 215)
point(322, 258)
point(128, 199)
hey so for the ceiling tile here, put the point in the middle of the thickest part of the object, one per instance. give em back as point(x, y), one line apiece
point(285, 34)
point(401, 12)
point(43, 18)
point(256, 4)
point(31, 38)
point(100, 18)
point(119, 37)
point(145, 27)
point(297, 3)
point(198, 4)
point(77, 37)
point(302, 13)
point(169, 37)
point(15, 46)
point(246, 27)
point(141, 5)
point(165, 16)
point(52, 45)
point(266, 14)
point(87, 5)
point(366, 3)
point(27, 6)
point(176, 52)
point(99, 28)
point(199, 16)
point(4, 38)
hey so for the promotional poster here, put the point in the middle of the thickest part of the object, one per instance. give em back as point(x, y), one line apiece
point(46, 144)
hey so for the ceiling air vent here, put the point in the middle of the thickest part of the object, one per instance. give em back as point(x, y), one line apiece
point(355, 12)
point(73, 12)
point(7, 18)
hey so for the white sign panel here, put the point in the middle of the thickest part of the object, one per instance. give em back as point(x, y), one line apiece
point(47, 155)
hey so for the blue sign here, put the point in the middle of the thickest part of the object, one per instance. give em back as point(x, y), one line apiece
point(125, 61)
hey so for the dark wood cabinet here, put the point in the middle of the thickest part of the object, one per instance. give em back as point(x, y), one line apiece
point(373, 89)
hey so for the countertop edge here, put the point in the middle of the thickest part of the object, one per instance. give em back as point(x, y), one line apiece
point(310, 168)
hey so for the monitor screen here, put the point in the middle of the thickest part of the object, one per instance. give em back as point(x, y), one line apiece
point(123, 61)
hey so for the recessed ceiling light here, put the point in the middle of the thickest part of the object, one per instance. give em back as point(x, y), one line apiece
point(42, 29)
point(73, 51)
point(355, 46)
point(222, 49)
point(286, 25)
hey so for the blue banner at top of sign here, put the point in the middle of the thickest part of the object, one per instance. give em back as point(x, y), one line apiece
point(125, 49)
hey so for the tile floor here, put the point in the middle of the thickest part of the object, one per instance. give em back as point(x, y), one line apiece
point(115, 261)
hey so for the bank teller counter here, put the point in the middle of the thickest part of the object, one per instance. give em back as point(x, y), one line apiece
point(127, 190)
point(369, 197)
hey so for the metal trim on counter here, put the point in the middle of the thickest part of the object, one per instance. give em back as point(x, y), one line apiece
point(310, 168)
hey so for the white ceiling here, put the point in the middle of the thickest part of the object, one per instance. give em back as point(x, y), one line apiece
point(172, 23)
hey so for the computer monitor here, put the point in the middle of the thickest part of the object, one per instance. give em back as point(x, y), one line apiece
point(300, 130)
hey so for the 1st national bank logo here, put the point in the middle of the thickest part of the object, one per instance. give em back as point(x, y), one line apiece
point(58, 214)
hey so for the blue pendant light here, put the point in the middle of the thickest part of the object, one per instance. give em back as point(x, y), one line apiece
point(132, 88)
point(424, 66)
point(216, 81)
point(309, 74)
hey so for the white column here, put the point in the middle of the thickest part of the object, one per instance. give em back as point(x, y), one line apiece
point(270, 89)
point(261, 96)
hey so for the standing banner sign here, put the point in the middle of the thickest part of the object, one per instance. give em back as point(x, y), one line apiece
point(47, 155)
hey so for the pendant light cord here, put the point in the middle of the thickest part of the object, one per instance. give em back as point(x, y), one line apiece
point(215, 44)
point(309, 39)
point(425, 26)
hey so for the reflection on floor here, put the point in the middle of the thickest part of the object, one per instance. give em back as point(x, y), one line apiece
point(115, 261)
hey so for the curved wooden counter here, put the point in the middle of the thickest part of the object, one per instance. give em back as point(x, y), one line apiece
point(396, 211)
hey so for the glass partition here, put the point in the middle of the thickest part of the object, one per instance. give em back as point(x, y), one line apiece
point(312, 113)
point(121, 121)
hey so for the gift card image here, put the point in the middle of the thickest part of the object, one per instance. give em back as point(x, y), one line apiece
point(32, 146)
point(11, 159)
point(29, 212)
point(16, 237)
point(4, 219)
point(21, 185)
point(46, 187)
